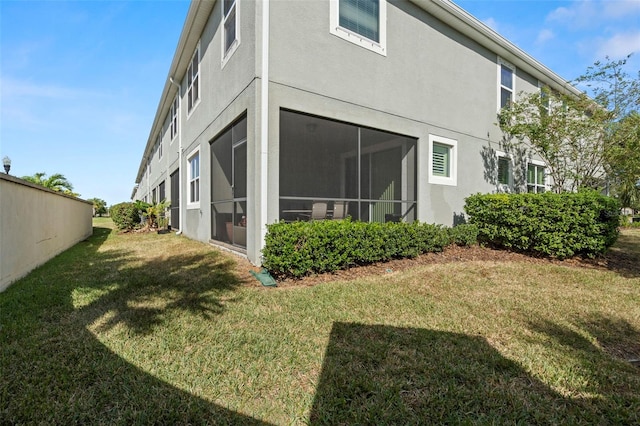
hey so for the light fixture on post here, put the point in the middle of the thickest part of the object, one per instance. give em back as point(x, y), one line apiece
point(6, 162)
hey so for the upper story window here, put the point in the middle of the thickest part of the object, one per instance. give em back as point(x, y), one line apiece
point(506, 83)
point(443, 160)
point(230, 18)
point(194, 179)
point(159, 147)
point(174, 118)
point(193, 81)
point(363, 22)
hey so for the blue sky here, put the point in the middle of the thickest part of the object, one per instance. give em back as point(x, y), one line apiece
point(80, 81)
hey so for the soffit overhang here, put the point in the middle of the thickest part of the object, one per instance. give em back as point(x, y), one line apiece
point(468, 25)
point(197, 17)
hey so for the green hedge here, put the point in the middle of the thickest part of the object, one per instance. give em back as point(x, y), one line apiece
point(300, 248)
point(549, 224)
point(126, 216)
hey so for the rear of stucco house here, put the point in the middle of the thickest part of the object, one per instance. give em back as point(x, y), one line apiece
point(387, 106)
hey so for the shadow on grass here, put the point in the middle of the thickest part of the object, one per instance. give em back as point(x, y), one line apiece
point(54, 371)
point(387, 375)
point(624, 256)
point(605, 349)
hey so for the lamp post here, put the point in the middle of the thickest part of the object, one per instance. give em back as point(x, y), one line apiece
point(6, 162)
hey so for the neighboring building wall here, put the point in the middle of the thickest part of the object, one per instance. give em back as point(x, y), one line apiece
point(227, 90)
point(35, 225)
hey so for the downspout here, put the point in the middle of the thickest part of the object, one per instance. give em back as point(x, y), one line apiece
point(179, 152)
point(264, 125)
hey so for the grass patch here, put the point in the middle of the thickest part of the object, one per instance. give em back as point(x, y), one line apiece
point(147, 328)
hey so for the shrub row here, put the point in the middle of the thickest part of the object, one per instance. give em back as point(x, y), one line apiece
point(549, 224)
point(300, 248)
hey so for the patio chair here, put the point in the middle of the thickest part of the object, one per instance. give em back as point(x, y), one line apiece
point(318, 211)
point(340, 209)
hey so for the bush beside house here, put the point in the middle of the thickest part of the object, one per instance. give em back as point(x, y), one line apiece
point(548, 224)
point(300, 248)
point(126, 216)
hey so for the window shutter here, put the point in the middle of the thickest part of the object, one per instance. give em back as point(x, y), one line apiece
point(440, 160)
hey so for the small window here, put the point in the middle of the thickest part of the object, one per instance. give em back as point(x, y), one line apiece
point(363, 22)
point(442, 160)
point(193, 81)
point(506, 80)
point(161, 192)
point(504, 170)
point(154, 198)
point(159, 147)
point(174, 118)
point(536, 178)
point(545, 100)
point(194, 179)
point(230, 37)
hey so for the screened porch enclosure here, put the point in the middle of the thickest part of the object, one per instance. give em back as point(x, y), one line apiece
point(229, 185)
point(371, 173)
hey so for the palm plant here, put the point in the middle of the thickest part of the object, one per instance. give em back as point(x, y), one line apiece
point(56, 182)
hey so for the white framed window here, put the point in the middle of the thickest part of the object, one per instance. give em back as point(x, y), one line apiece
point(193, 177)
point(506, 83)
point(536, 177)
point(231, 26)
point(173, 113)
point(545, 100)
point(443, 160)
point(363, 22)
point(159, 147)
point(504, 172)
point(193, 81)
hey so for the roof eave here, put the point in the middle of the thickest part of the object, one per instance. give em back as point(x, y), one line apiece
point(467, 24)
point(197, 17)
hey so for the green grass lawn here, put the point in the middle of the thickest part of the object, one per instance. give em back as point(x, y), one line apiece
point(148, 328)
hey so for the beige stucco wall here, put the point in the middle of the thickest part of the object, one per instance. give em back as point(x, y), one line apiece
point(35, 225)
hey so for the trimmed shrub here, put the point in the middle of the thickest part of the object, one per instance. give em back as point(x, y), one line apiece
point(300, 248)
point(548, 224)
point(126, 216)
point(465, 234)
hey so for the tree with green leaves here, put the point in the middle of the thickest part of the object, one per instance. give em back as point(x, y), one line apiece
point(99, 206)
point(56, 182)
point(618, 91)
point(567, 132)
point(586, 142)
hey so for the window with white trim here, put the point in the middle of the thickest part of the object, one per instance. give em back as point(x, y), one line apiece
point(363, 22)
point(159, 147)
point(506, 83)
point(173, 113)
point(545, 99)
point(194, 179)
point(193, 81)
point(443, 158)
point(504, 172)
point(230, 23)
point(536, 177)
